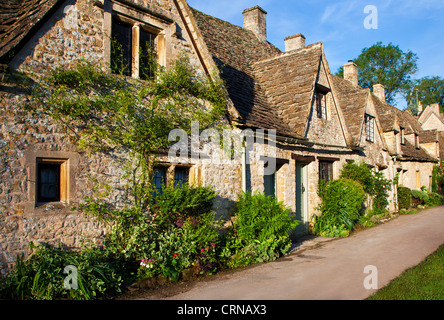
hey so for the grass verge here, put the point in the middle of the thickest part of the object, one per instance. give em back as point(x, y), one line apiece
point(423, 282)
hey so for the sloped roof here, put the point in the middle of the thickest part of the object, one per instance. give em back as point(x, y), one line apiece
point(288, 81)
point(410, 153)
point(18, 18)
point(427, 136)
point(352, 100)
point(234, 49)
point(266, 86)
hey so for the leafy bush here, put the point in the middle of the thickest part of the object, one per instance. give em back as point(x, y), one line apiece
point(435, 199)
point(341, 206)
point(372, 181)
point(361, 173)
point(259, 217)
point(404, 197)
point(260, 233)
point(41, 275)
point(419, 197)
point(182, 203)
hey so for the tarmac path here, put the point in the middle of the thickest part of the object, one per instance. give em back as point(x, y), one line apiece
point(333, 268)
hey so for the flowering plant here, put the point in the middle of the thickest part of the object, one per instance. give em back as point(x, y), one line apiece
point(146, 269)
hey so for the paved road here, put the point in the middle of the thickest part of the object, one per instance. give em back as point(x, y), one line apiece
point(334, 269)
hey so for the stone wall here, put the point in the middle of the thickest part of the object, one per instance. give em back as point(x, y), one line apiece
point(77, 31)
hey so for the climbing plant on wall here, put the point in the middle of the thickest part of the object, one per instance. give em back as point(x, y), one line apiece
point(108, 112)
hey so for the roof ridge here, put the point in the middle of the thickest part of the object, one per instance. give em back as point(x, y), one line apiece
point(291, 53)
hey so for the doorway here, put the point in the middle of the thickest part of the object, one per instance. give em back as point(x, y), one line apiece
point(301, 199)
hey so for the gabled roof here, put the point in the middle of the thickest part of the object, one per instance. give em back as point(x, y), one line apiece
point(235, 50)
point(352, 100)
point(289, 81)
point(270, 89)
point(18, 18)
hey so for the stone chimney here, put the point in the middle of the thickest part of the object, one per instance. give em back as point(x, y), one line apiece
point(379, 91)
point(420, 108)
point(255, 19)
point(351, 72)
point(294, 42)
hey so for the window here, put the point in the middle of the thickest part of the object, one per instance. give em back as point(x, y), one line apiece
point(402, 136)
point(326, 171)
point(121, 48)
point(321, 105)
point(159, 180)
point(147, 54)
point(129, 57)
point(369, 127)
point(181, 176)
point(51, 181)
point(416, 141)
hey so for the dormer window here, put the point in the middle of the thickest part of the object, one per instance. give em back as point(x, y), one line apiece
point(402, 136)
point(416, 141)
point(321, 101)
point(369, 128)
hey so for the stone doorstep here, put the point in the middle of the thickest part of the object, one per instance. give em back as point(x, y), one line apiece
point(308, 242)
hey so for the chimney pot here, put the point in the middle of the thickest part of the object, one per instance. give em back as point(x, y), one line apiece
point(379, 91)
point(294, 42)
point(351, 72)
point(255, 20)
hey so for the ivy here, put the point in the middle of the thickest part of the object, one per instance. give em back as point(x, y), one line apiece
point(108, 112)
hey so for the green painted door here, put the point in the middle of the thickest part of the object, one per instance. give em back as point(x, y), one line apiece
point(301, 199)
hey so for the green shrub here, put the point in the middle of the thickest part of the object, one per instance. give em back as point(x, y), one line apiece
point(404, 197)
point(259, 217)
point(419, 197)
point(361, 173)
point(372, 181)
point(183, 202)
point(261, 231)
point(41, 276)
point(341, 206)
point(435, 199)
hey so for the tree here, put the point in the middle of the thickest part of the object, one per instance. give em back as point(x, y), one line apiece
point(388, 65)
point(427, 90)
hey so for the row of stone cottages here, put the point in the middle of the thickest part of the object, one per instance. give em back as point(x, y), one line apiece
point(321, 121)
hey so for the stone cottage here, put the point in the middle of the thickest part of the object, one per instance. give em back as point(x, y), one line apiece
point(304, 122)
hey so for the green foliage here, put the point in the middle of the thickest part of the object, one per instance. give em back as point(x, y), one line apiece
point(106, 112)
point(435, 199)
point(386, 64)
point(182, 203)
point(372, 181)
point(424, 281)
point(420, 196)
point(427, 90)
point(41, 276)
point(404, 197)
point(260, 233)
point(341, 206)
point(259, 217)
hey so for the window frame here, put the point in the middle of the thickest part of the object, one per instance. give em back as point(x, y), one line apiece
point(69, 162)
point(63, 180)
point(136, 48)
point(329, 171)
point(369, 126)
point(321, 95)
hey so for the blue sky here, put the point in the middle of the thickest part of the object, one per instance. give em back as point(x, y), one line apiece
point(416, 25)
